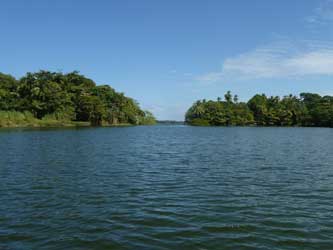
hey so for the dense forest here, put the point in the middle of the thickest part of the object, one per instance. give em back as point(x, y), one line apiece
point(53, 98)
point(306, 110)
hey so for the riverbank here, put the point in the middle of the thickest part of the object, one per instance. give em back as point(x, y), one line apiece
point(60, 124)
point(15, 119)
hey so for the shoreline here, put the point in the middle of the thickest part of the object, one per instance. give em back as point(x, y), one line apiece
point(63, 125)
point(88, 125)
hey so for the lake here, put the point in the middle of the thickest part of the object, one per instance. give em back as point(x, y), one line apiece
point(166, 187)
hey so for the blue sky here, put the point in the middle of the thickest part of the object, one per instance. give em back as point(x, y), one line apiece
point(168, 54)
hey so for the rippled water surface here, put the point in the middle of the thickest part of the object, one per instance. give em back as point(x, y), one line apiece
point(166, 187)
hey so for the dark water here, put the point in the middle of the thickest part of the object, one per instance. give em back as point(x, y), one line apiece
point(166, 187)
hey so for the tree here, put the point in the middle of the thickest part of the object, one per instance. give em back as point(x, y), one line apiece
point(235, 98)
point(228, 97)
point(71, 97)
point(147, 119)
point(307, 110)
point(219, 113)
point(41, 93)
point(258, 105)
point(8, 92)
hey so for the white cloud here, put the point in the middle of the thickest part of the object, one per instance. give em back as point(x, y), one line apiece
point(315, 63)
point(283, 59)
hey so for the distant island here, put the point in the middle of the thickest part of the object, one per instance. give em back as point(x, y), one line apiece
point(306, 110)
point(170, 122)
point(49, 98)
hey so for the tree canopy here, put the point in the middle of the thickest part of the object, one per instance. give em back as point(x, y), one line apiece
point(70, 96)
point(306, 110)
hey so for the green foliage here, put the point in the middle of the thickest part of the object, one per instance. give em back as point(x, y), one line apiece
point(306, 110)
point(14, 118)
point(219, 113)
point(147, 119)
point(27, 119)
point(52, 96)
point(199, 122)
point(8, 92)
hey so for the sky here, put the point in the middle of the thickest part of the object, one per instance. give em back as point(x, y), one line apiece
point(168, 54)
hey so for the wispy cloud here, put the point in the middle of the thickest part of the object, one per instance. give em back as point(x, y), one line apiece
point(284, 58)
point(278, 60)
point(210, 77)
point(322, 14)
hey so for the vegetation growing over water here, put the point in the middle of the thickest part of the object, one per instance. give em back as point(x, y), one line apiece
point(51, 98)
point(306, 110)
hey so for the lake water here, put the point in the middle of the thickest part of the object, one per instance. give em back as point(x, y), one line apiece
point(166, 187)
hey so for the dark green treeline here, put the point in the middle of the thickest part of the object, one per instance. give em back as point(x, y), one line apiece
point(306, 110)
point(67, 97)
